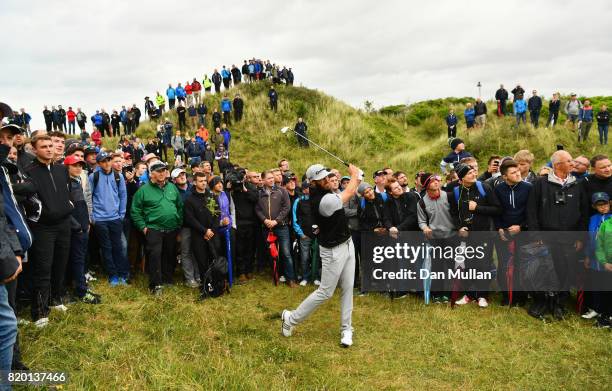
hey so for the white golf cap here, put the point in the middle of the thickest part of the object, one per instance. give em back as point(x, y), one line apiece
point(176, 172)
point(316, 172)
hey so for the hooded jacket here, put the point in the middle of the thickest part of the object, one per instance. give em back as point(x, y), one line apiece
point(553, 206)
point(109, 197)
point(513, 200)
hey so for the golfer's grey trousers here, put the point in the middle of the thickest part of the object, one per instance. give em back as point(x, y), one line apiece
point(338, 267)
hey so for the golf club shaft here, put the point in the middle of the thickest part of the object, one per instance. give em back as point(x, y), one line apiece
point(321, 148)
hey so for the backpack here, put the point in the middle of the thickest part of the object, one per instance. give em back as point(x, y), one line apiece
point(479, 186)
point(96, 179)
point(214, 284)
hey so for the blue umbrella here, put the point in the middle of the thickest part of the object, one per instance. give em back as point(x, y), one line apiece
point(229, 256)
point(427, 281)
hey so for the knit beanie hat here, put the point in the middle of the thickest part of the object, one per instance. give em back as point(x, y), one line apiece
point(462, 169)
point(363, 186)
point(454, 142)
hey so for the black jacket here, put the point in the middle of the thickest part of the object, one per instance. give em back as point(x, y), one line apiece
point(553, 207)
point(244, 202)
point(301, 127)
point(480, 108)
point(52, 185)
point(534, 103)
point(80, 213)
point(479, 219)
point(603, 117)
point(518, 90)
point(401, 213)
point(371, 214)
point(501, 95)
point(238, 104)
point(593, 184)
point(554, 106)
point(197, 216)
point(216, 78)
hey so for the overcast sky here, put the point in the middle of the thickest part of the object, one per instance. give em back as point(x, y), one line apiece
point(96, 54)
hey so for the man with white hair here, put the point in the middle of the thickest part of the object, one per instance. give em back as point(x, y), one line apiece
point(558, 203)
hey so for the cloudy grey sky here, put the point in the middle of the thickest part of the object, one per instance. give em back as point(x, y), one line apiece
point(107, 53)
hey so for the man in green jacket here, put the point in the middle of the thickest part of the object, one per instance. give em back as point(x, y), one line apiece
point(157, 211)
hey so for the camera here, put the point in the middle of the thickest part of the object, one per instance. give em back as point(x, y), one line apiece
point(127, 168)
point(560, 198)
point(236, 178)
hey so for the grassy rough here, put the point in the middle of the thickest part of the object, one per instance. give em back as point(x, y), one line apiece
point(134, 341)
point(403, 137)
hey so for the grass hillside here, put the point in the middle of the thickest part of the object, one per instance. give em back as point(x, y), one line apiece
point(403, 137)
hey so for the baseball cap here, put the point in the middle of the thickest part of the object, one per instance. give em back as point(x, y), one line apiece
point(72, 159)
point(13, 128)
point(5, 110)
point(600, 196)
point(102, 156)
point(176, 172)
point(89, 151)
point(316, 172)
point(158, 166)
point(378, 173)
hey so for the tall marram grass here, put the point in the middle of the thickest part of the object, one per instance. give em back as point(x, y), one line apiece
point(403, 137)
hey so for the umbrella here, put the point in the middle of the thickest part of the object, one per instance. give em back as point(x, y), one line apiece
point(229, 256)
point(510, 271)
point(580, 292)
point(427, 281)
point(274, 254)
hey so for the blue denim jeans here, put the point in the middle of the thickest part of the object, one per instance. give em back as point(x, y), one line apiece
point(305, 257)
point(603, 133)
point(110, 238)
point(78, 253)
point(284, 247)
point(8, 333)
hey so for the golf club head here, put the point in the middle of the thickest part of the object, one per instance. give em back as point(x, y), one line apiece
point(285, 129)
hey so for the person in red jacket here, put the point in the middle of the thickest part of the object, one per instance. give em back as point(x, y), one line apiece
point(71, 115)
point(96, 137)
point(189, 92)
point(196, 87)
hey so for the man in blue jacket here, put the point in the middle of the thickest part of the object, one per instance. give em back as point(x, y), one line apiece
point(227, 77)
point(520, 110)
point(458, 152)
point(226, 109)
point(180, 93)
point(171, 94)
point(109, 198)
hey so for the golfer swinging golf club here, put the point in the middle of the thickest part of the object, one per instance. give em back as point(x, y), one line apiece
point(335, 247)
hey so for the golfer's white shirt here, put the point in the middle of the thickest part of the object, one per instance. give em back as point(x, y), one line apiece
point(330, 203)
